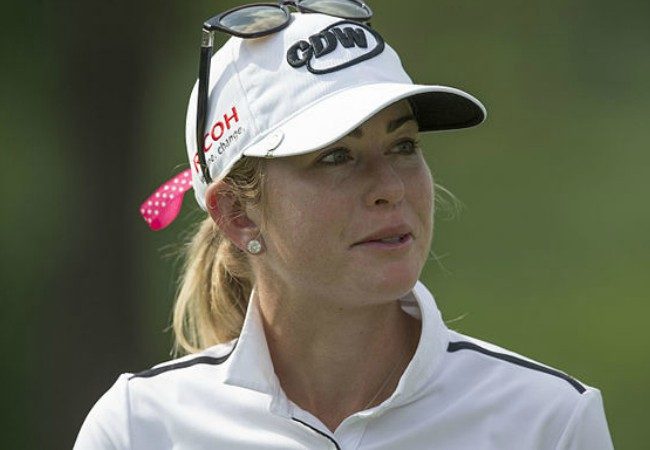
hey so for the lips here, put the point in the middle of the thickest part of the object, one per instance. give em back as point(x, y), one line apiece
point(392, 240)
point(390, 235)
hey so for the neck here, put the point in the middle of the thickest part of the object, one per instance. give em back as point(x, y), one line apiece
point(334, 362)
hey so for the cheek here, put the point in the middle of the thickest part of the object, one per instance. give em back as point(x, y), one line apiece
point(301, 222)
point(422, 199)
point(426, 189)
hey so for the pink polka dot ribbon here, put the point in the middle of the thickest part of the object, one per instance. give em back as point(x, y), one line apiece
point(162, 207)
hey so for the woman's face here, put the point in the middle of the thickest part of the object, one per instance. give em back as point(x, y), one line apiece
point(353, 220)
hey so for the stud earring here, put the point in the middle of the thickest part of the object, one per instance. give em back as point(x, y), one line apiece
point(254, 247)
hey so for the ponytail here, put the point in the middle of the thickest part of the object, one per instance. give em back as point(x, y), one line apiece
point(216, 279)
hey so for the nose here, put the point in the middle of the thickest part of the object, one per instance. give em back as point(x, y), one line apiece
point(385, 184)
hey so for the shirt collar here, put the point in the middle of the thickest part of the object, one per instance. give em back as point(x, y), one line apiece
point(250, 364)
point(424, 366)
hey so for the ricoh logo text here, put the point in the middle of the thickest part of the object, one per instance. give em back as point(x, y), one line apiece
point(222, 134)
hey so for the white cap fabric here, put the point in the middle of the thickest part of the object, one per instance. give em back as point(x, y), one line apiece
point(305, 87)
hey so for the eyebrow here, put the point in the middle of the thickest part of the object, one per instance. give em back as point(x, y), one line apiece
point(392, 126)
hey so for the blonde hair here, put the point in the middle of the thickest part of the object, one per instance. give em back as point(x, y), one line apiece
point(216, 280)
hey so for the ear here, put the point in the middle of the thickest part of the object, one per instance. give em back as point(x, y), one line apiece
point(227, 212)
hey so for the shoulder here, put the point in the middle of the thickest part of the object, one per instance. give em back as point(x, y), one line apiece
point(106, 425)
point(524, 393)
point(214, 356)
point(109, 422)
point(512, 366)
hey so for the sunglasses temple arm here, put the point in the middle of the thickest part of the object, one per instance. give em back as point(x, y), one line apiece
point(207, 41)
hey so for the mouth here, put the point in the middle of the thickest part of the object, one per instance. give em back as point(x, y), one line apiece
point(388, 242)
point(392, 240)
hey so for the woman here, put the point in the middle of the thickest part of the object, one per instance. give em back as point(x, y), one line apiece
point(300, 305)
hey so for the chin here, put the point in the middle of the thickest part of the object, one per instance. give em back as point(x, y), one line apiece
point(396, 283)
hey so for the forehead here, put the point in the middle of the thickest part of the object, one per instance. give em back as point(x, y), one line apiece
point(391, 115)
point(396, 116)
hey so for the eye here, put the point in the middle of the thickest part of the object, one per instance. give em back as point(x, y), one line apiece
point(407, 147)
point(336, 157)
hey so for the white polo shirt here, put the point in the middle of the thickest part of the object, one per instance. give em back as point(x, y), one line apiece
point(458, 393)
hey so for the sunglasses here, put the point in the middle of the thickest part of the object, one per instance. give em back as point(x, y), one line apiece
point(253, 21)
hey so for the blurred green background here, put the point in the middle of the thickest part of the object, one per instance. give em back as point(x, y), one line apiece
point(549, 256)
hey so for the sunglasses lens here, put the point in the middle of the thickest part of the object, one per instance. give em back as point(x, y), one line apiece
point(339, 8)
point(254, 19)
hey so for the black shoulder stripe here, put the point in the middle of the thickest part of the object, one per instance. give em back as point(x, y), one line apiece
point(462, 345)
point(181, 365)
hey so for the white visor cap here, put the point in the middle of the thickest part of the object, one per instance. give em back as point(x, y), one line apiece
point(305, 87)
